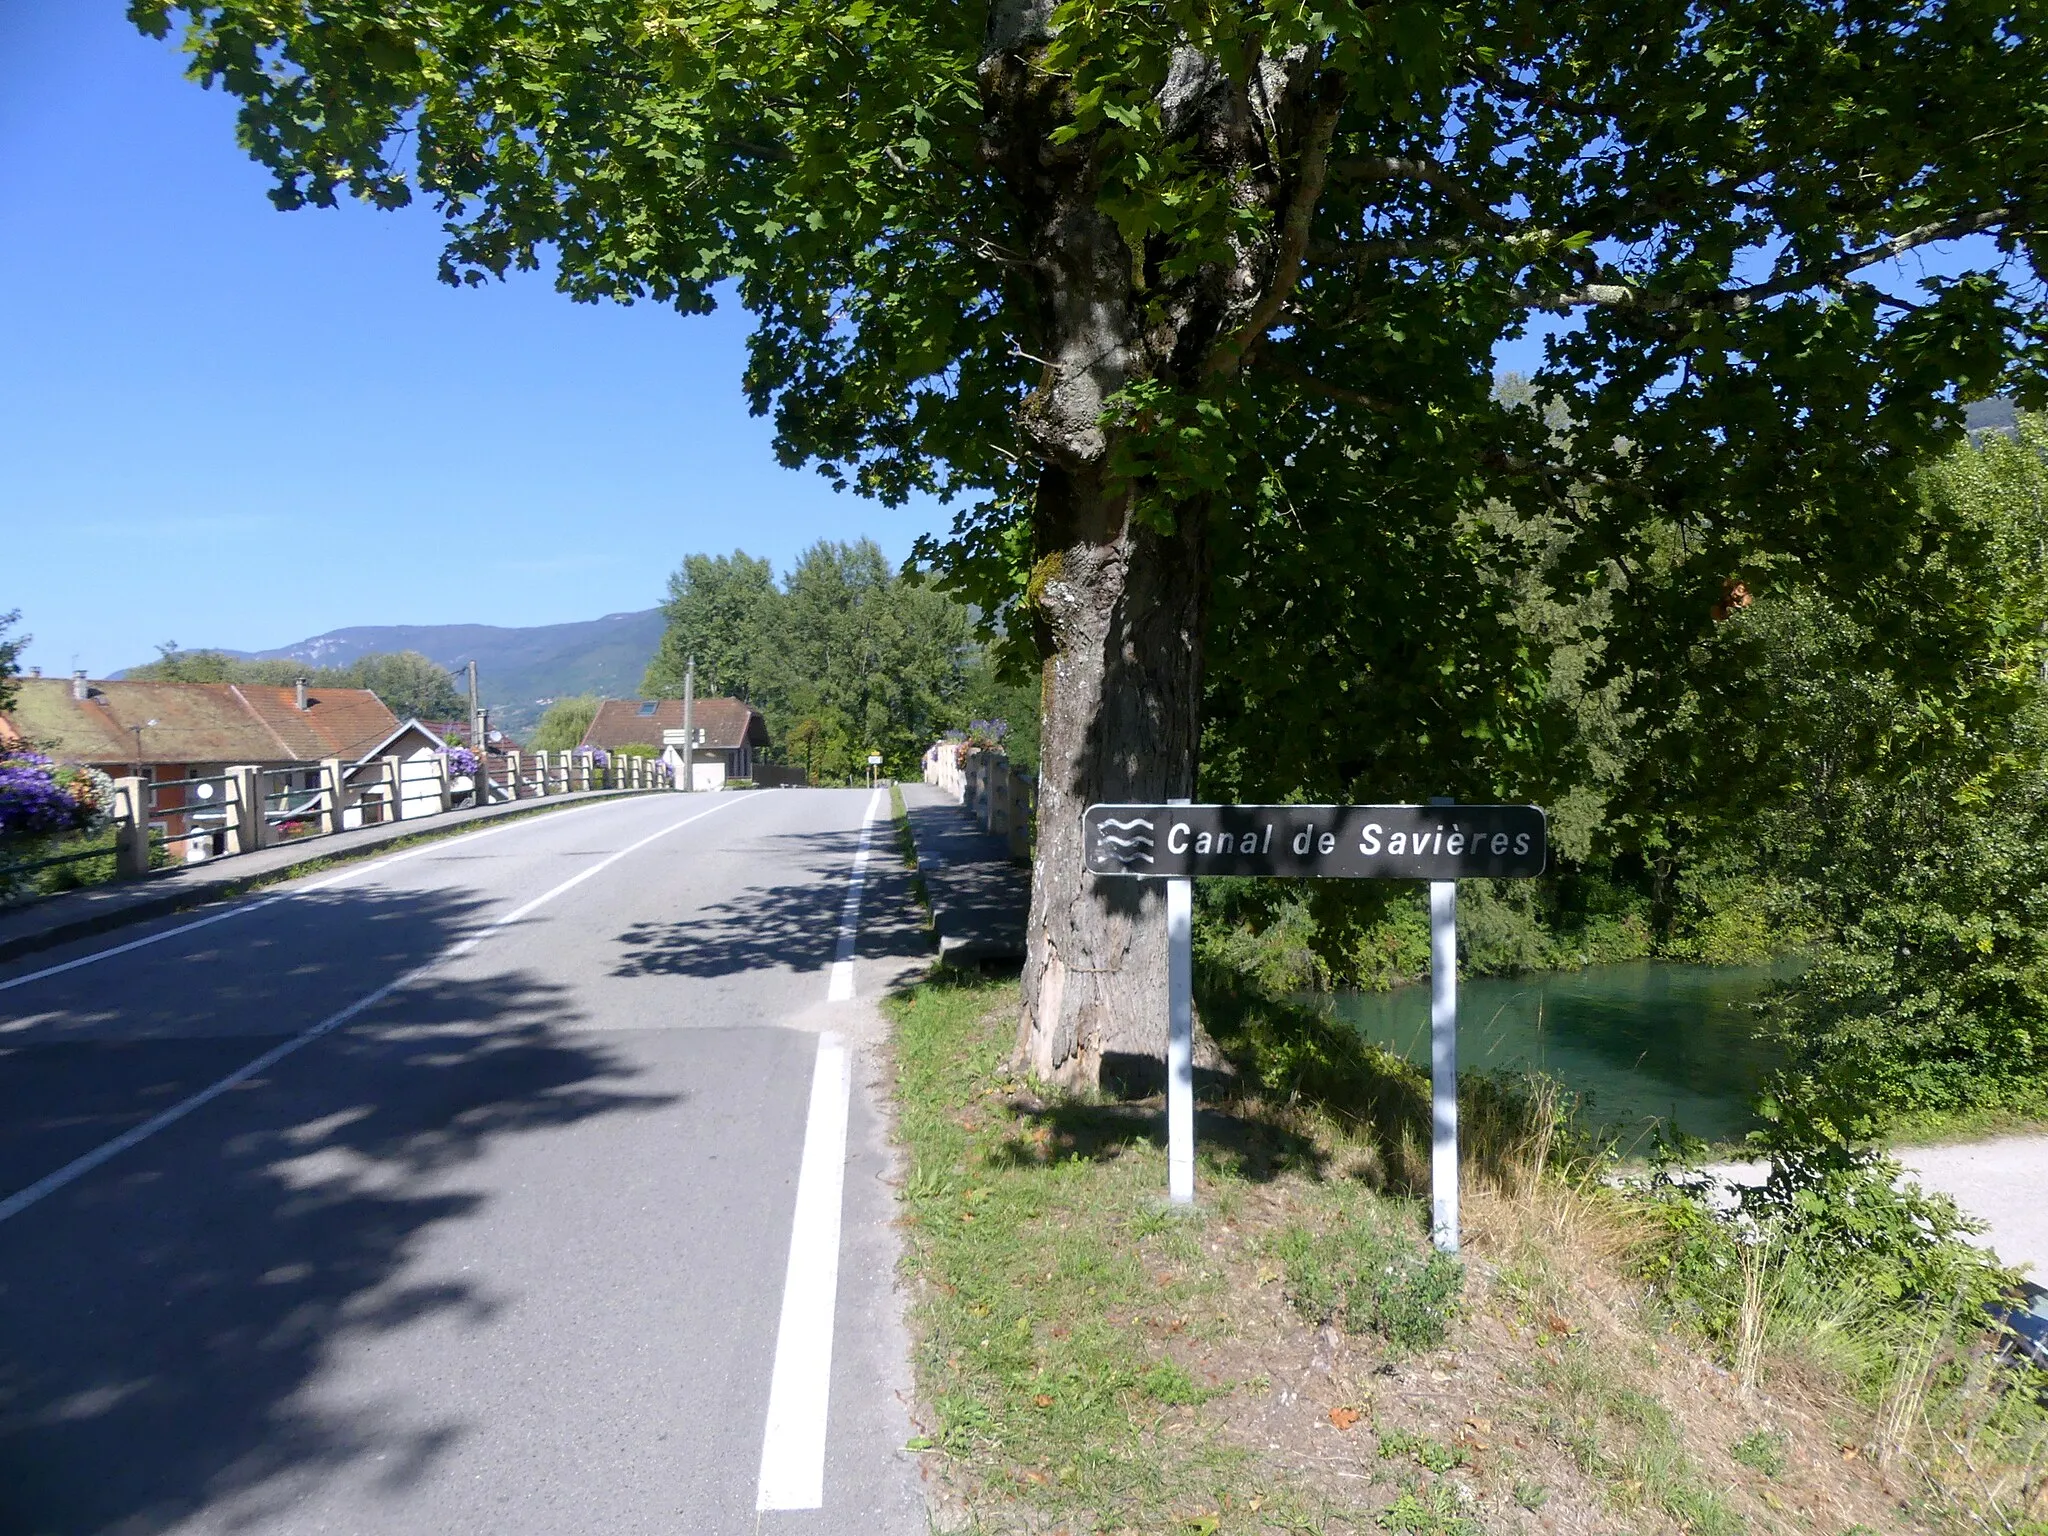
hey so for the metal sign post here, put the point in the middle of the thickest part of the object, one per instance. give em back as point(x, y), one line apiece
point(1180, 1039)
point(1440, 843)
point(1443, 1064)
point(689, 726)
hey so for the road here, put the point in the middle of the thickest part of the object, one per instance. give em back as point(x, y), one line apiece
point(458, 1193)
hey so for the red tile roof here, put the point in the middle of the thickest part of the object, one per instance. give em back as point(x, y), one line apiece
point(199, 722)
point(726, 723)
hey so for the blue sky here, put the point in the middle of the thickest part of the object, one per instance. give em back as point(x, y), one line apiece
point(225, 425)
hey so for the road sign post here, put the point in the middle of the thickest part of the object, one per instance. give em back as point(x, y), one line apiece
point(1180, 1040)
point(1443, 1064)
point(1440, 844)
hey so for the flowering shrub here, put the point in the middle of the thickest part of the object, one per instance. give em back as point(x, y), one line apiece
point(598, 756)
point(462, 763)
point(40, 799)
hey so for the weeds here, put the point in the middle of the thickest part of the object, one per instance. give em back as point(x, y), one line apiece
point(1431, 1513)
point(1088, 1358)
point(1371, 1281)
point(1761, 1450)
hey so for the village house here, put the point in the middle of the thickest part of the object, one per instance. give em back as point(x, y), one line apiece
point(173, 732)
point(729, 734)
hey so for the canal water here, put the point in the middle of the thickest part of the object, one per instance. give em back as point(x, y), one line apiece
point(1640, 1043)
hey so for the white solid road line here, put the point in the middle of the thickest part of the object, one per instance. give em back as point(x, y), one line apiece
point(50, 1183)
point(355, 872)
point(841, 989)
point(793, 1447)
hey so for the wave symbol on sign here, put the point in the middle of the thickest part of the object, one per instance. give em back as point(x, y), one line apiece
point(1124, 850)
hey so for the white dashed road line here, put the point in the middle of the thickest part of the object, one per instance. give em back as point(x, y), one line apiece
point(841, 989)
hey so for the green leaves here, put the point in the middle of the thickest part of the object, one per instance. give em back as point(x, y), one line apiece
point(845, 658)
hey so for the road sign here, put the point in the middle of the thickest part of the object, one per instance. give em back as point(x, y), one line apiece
point(1441, 843)
point(1330, 842)
point(874, 759)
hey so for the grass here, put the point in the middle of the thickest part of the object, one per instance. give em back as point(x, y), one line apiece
point(1290, 1356)
point(1950, 1126)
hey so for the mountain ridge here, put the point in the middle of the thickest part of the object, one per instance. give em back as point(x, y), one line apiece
point(519, 668)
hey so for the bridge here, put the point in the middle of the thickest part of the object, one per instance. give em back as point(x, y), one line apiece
point(531, 1179)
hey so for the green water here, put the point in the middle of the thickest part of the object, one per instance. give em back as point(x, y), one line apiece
point(1641, 1043)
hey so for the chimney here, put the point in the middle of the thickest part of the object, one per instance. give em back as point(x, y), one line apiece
point(78, 688)
point(299, 687)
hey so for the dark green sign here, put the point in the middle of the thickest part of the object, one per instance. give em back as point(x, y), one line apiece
point(1328, 842)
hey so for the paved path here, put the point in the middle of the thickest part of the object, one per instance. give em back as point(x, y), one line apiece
point(494, 1237)
point(981, 899)
point(2003, 1183)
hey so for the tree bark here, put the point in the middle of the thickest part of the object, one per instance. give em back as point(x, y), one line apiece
point(1118, 590)
point(1122, 605)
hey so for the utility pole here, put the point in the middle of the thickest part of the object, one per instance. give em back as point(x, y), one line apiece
point(690, 724)
point(476, 719)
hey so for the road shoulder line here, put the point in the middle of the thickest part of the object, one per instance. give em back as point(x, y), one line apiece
point(799, 1391)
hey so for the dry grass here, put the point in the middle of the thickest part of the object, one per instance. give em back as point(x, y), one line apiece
point(1089, 1361)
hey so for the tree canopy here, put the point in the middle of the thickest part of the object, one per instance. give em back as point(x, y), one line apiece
point(561, 729)
point(715, 614)
point(844, 658)
point(1194, 305)
point(410, 685)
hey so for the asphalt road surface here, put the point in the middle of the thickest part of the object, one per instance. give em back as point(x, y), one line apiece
point(457, 1192)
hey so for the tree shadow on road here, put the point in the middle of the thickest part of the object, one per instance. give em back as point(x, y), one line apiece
point(165, 1319)
point(792, 925)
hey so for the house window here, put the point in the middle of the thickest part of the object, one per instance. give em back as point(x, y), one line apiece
point(649, 707)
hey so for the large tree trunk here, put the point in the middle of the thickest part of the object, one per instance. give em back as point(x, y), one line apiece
point(1121, 576)
point(1122, 607)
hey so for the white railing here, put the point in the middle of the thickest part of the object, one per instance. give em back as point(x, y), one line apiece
point(243, 809)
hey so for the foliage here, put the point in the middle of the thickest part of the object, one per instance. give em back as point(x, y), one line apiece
point(41, 799)
point(411, 686)
point(45, 808)
point(719, 611)
point(462, 763)
point(1869, 784)
point(11, 647)
point(845, 658)
point(561, 728)
point(1762, 1450)
point(989, 694)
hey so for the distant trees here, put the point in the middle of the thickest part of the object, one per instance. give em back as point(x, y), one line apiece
point(410, 684)
point(844, 658)
point(715, 612)
point(562, 727)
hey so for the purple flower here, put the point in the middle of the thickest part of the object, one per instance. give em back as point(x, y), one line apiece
point(462, 762)
point(34, 804)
